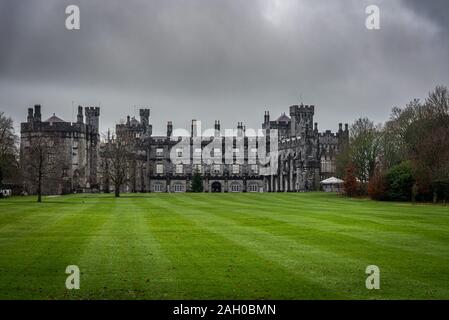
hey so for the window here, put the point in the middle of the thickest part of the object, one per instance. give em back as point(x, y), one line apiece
point(179, 153)
point(254, 150)
point(235, 187)
point(179, 168)
point(254, 168)
point(253, 188)
point(216, 152)
point(236, 150)
point(217, 168)
point(198, 150)
point(178, 187)
point(159, 152)
point(235, 169)
point(157, 187)
point(197, 167)
point(159, 168)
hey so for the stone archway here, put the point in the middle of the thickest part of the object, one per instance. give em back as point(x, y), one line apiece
point(216, 186)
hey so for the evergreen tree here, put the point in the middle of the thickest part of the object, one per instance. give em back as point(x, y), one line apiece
point(197, 182)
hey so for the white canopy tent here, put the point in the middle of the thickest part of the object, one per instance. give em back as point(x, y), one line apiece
point(332, 184)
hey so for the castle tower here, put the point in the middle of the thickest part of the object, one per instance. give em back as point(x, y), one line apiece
point(144, 117)
point(302, 119)
point(93, 117)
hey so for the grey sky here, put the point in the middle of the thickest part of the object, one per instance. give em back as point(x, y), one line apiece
point(220, 59)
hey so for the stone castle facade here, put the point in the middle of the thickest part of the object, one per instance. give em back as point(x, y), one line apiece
point(71, 151)
point(305, 155)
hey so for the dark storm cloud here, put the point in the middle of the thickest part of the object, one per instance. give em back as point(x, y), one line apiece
point(223, 59)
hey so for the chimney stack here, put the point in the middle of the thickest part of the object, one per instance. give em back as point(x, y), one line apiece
point(169, 129)
point(196, 128)
point(30, 117)
point(267, 117)
point(239, 129)
point(217, 128)
point(37, 113)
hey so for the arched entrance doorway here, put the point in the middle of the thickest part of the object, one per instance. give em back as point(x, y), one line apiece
point(216, 186)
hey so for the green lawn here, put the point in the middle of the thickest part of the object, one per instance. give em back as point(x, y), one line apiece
point(222, 246)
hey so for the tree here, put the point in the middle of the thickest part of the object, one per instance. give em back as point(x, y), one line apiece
point(117, 157)
point(197, 181)
point(38, 162)
point(364, 147)
point(422, 132)
point(400, 182)
point(350, 182)
point(8, 149)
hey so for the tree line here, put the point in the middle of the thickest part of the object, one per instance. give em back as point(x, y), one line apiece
point(404, 159)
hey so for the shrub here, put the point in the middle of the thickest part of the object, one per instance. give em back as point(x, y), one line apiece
point(400, 181)
point(350, 182)
point(377, 188)
point(441, 189)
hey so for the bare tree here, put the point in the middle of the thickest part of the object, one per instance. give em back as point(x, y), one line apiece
point(365, 147)
point(38, 162)
point(117, 158)
point(8, 148)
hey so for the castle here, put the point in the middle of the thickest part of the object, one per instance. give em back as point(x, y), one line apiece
point(304, 156)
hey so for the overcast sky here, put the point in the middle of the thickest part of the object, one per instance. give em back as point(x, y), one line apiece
point(220, 59)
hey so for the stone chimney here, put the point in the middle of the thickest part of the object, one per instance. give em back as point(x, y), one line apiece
point(169, 129)
point(37, 113)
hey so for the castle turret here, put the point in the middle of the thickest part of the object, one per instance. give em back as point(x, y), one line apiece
point(79, 117)
point(340, 127)
point(93, 117)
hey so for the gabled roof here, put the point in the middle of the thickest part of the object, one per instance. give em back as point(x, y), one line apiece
point(283, 118)
point(54, 118)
